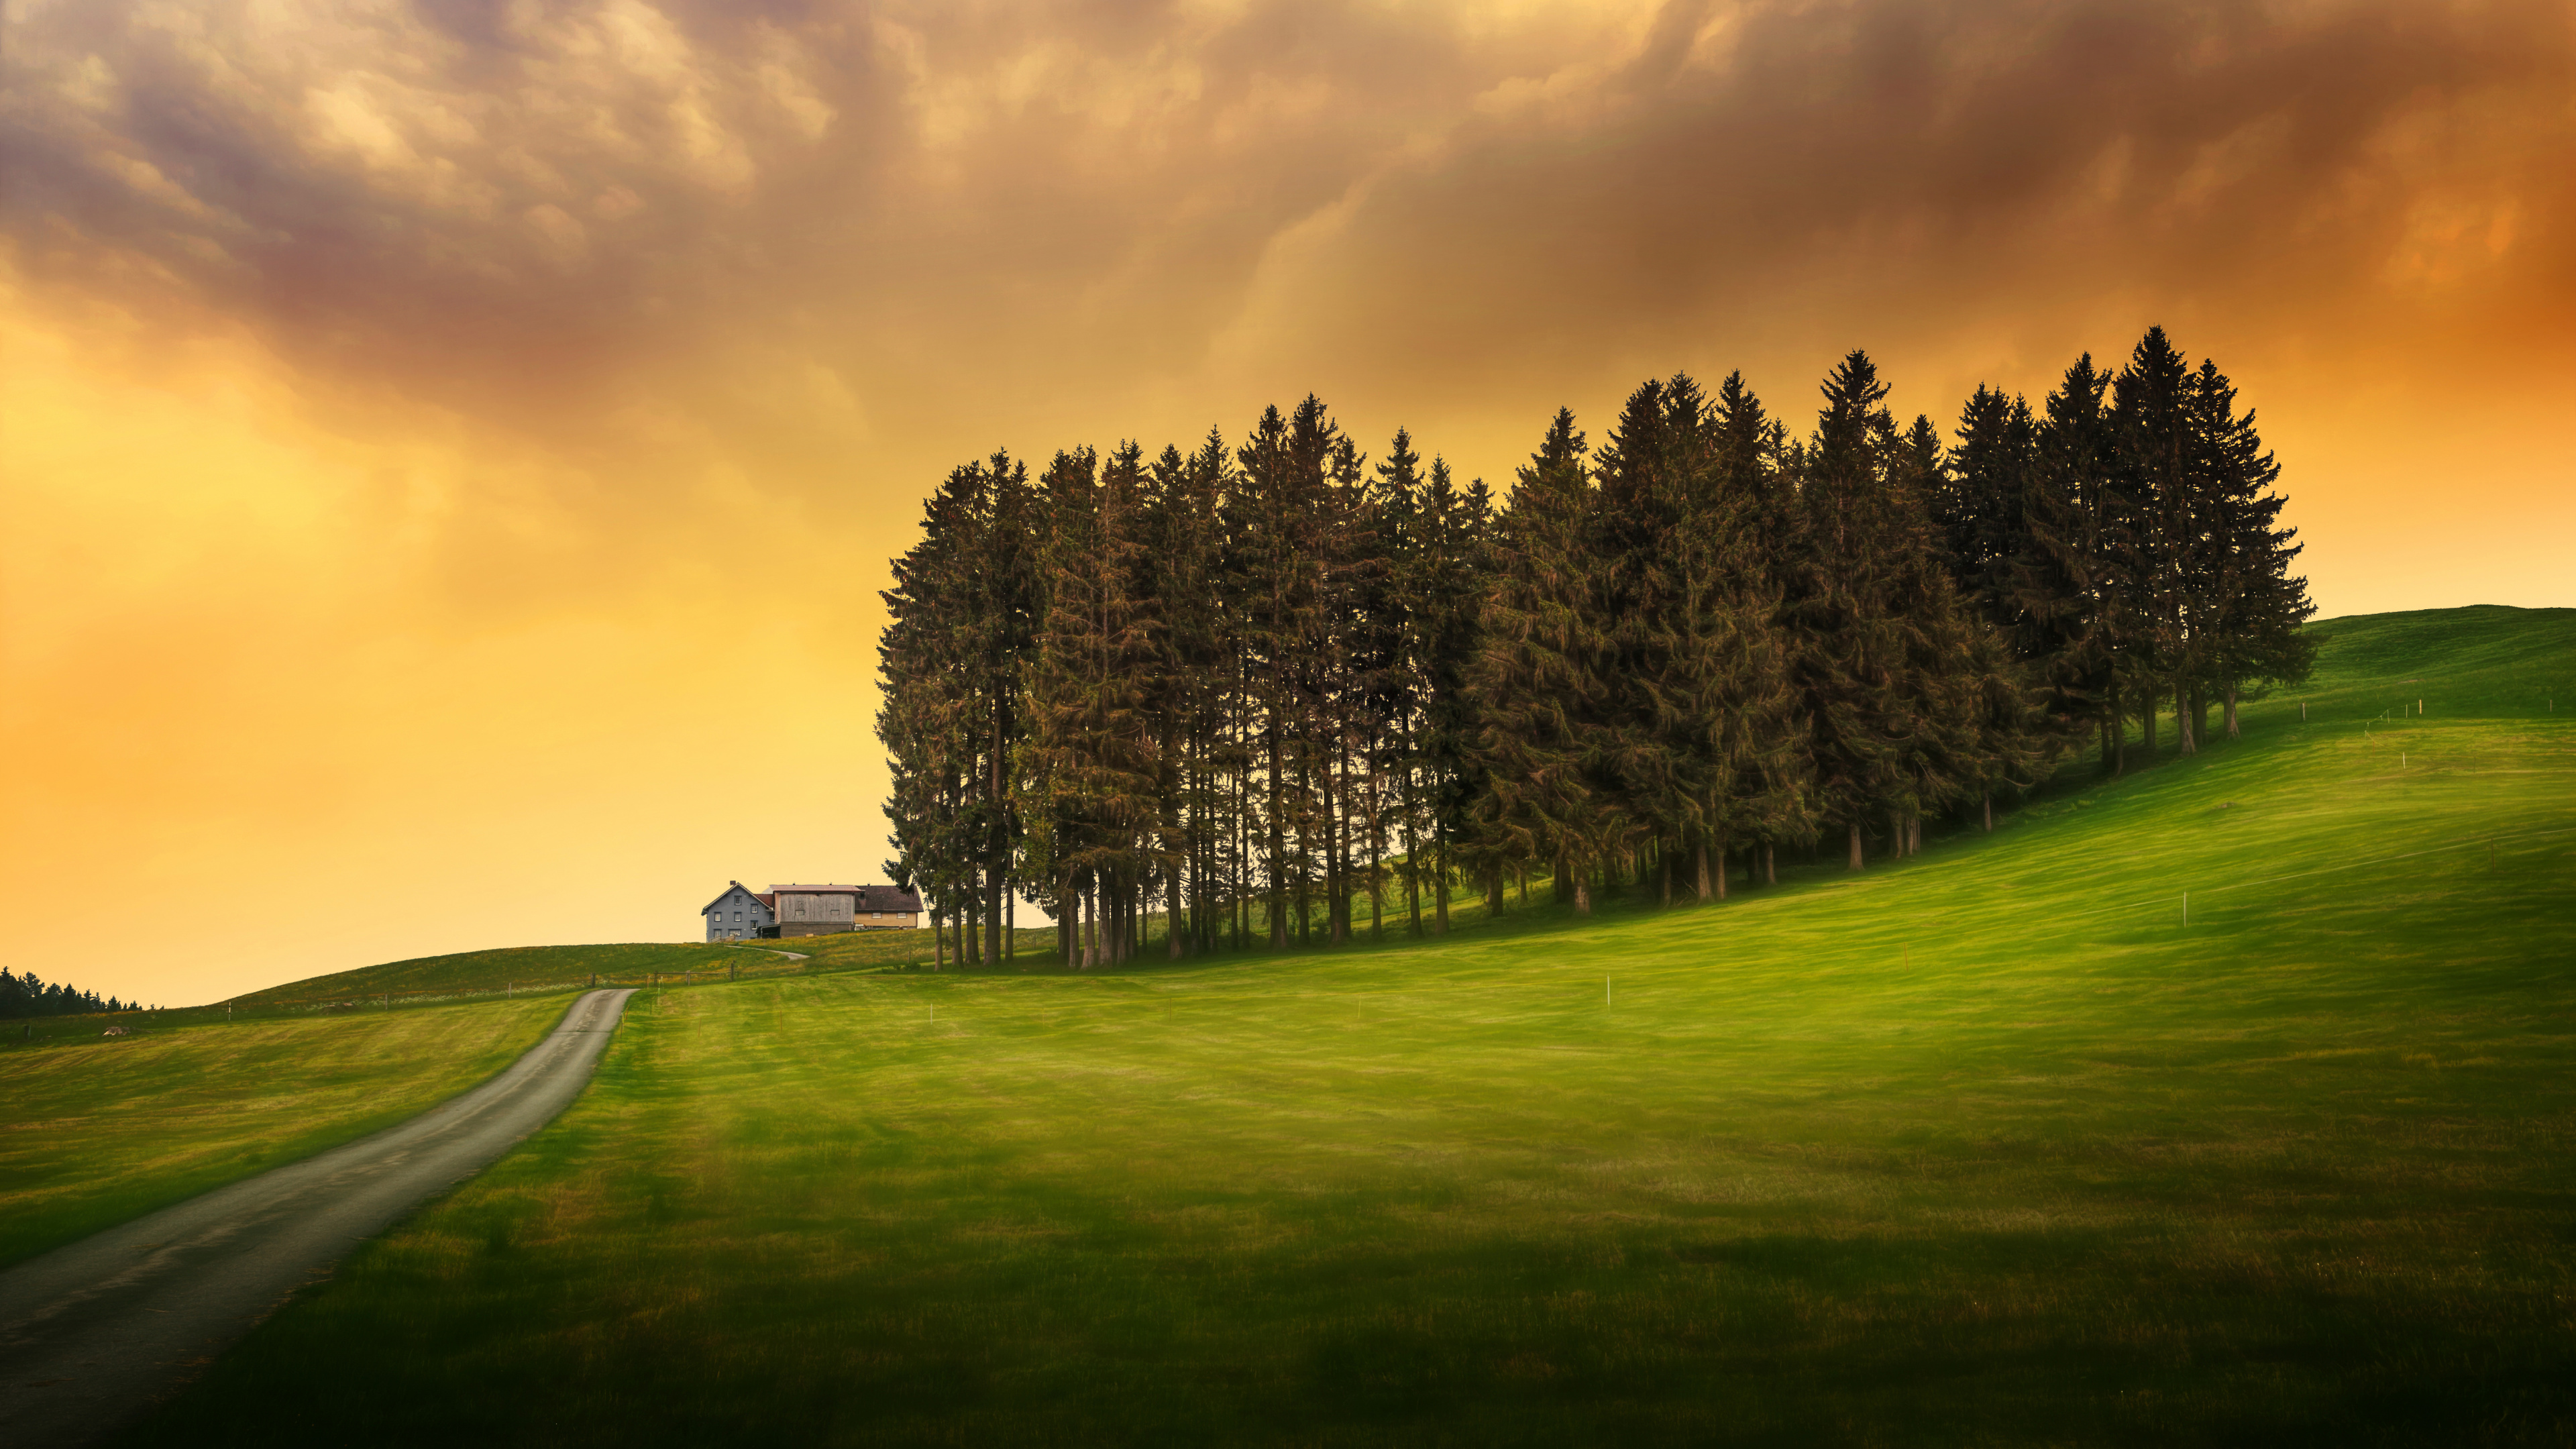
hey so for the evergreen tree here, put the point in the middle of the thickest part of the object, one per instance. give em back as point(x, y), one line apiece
point(1449, 592)
point(1392, 610)
point(1551, 708)
point(2254, 604)
point(1978, 501)
point(1268, 673)
point(2154, 462)
point(2078, 465)
point(1094, 738)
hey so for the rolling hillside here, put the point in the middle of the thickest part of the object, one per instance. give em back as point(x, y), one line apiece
point(2230, 1101)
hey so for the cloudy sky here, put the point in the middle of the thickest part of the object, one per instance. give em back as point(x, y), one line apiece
point(451, 447)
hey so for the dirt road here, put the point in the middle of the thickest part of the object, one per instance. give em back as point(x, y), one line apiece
point(94, 1333)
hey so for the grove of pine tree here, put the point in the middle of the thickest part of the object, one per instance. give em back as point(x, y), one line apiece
point(1271, 694)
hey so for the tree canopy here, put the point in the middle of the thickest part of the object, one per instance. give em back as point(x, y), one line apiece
point(1265, 686)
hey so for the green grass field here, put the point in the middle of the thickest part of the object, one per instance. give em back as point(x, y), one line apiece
point(541, 969)
point(101, 1131)
point(524, 968)
point(1991, 1147)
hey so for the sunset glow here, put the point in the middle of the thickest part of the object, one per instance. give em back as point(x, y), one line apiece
point(452, 447)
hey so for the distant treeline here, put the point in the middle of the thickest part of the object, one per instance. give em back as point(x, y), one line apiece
point(32, 995)
point(1245, 682)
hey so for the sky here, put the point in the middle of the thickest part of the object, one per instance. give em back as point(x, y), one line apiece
point(450, 449)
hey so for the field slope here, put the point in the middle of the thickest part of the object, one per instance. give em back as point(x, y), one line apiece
point(101, 1132)
point(1993, 1147)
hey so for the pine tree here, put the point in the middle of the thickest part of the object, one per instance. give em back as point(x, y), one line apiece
point(1978, 501)
point(1751, 475)
point(1093, 737)
point(1550, 707)
point(1644, 471)
point(2155, 460)
point(1837, 608)
point(2254, 605)
point(935, 717)
point(2078, 465)
point(1449, 591)
point(1391, 607)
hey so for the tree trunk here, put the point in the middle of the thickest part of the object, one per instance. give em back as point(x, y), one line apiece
point(1770, 864)
point(2183, 744)
point(2230, 708)
point(1278, 850)
point(2117, 762)
point(1896, 834)
point(1494, 895)
point(1440, 887)
point(1377, 845)
point(1331, 785)
point(1413, 886)
point(1913, 833)
point(2148, 711)
point(938, 943)
point(997, 880)
point(1582, 897)
point(1664, 880)
point(1699, 865)
point(1855, 846)
point(993, 919)
point(1988, 801)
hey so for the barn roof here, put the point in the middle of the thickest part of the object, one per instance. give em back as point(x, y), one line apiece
point(866, 898)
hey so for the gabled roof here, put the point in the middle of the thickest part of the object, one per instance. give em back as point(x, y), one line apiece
point(729, 890)
point(864, 898)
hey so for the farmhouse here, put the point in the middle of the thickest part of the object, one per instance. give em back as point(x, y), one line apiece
point(742, 913)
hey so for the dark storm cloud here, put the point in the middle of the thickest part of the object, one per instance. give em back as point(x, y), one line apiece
point(1875, 171)
point(502, 203)
point(511, 190)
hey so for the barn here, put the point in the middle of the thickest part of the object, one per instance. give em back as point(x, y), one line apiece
point(809, 910)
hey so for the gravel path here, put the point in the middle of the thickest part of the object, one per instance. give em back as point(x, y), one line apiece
point(94, 1333)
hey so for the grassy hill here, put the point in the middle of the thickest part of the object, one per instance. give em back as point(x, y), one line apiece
point(1995, 1146)
point(541, 969)
point(531, 968)
point(103, 1131)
